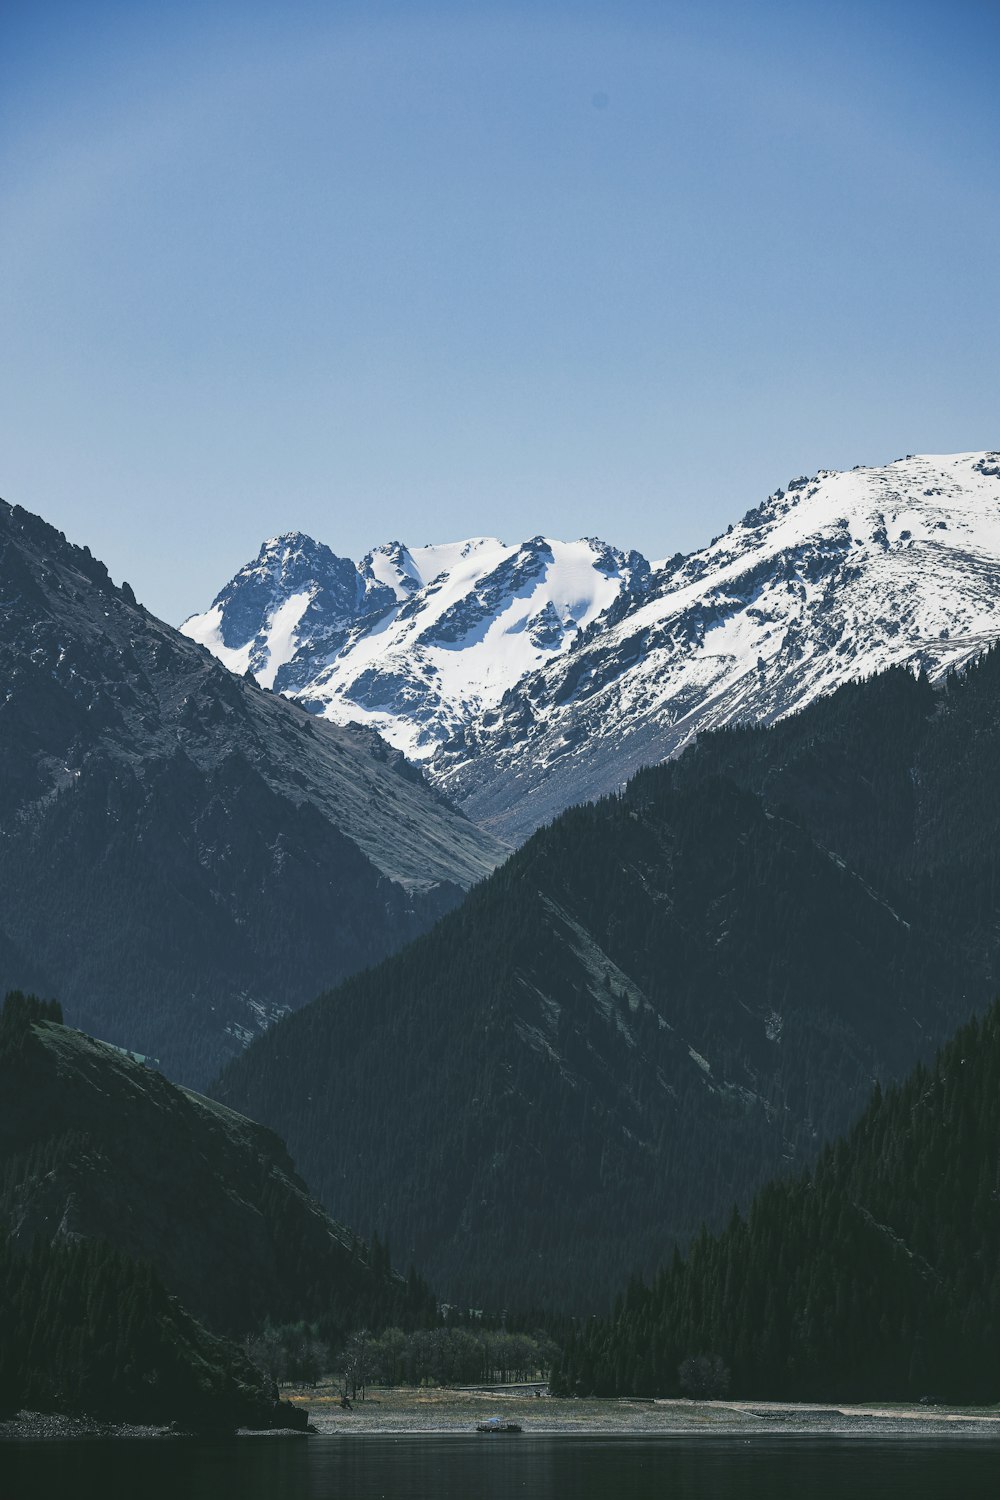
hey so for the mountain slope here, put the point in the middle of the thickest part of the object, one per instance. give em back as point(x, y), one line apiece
point(657, 1003)
point(89, 1332)
point(837, 577)
point(181, 853)
point(94, 1146)
point(525, 679)
point(900, 780)
point(873, 1277)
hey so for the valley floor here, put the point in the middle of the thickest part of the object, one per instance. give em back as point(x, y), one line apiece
point(404, 1410)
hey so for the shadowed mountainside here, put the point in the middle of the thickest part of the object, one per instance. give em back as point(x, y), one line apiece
point(661, 1000)
point(872, 1277)
point(183, 855)
point(94, 1146)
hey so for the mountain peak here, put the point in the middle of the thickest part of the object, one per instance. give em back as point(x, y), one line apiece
point(285, 560)
point(428, 635)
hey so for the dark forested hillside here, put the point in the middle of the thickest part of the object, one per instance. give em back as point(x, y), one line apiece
point(89, 1331)
point(181, 854)
point(658, 1003)
point(96, 1147)
point(875, 1276)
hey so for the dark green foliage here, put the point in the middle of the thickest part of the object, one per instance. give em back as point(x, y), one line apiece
point(875, 1276)
point(660, 1002)
point(85, 1329)
point(704, 1377)
point(19, 1014)
point(111, 1178)
point(290, 1353)
point(446, 1355)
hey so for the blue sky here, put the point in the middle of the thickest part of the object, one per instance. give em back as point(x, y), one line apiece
point(434, 270)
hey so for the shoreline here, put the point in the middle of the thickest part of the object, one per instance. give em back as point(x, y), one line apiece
point(58, 1427)
point(398, 1412)
point(443, 1411)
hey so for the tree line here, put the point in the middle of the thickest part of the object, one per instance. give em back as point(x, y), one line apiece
point(87, 1330)
point(444, 1355)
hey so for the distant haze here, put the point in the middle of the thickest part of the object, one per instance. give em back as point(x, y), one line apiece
point(430, 271)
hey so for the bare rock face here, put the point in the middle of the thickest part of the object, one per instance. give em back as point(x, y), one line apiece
point(183, 855)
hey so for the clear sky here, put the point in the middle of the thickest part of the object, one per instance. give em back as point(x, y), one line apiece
point(426, 270)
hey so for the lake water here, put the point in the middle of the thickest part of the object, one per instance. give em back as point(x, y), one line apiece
point(432, 1467)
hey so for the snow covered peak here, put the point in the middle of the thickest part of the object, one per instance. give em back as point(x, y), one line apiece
point(392, 566)
point(471, 619)
point(283, 563)
point(941, 505)
point(833, 577)
point(255, 622)
point(411, 641)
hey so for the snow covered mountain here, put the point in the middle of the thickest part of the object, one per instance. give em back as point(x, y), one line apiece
point(413, 643)
point(528, 678)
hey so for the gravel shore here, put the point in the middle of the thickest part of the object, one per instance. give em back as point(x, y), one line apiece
point(402, 1410)
point(33, 1426)
point(39, 1426)
point(443, 1410)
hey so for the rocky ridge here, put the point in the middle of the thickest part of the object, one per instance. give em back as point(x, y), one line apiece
point(413, 643)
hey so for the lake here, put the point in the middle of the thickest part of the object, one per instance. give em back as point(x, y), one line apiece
point(530, 1467)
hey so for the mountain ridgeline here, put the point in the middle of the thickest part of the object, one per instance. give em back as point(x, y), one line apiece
point(875, 1275)
point(529, 677)
point(411, 640)
point(183, 855)
point(661, 1001)
point(833, 578)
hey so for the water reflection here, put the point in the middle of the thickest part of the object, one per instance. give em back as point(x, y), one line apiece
point(429, 1467)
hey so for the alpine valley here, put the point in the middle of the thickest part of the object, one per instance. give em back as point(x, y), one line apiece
point(752, 795)
point(526, 678)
